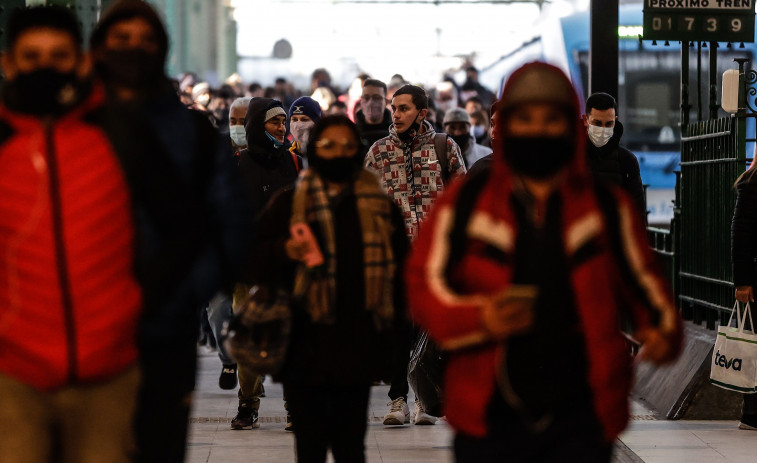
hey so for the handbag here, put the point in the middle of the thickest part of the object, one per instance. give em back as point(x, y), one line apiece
point(258, 336)
point(734, 357)
point(426, 374)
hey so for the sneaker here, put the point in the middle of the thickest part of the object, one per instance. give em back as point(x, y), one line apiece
point(399, 413)
point(228, 379)
point(748, 422)
point(247, 418)
point(420, 417)
point(289, 426)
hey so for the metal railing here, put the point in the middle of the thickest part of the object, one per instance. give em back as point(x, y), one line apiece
point(711, 159)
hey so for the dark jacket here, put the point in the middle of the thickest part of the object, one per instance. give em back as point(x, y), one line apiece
point(192, 217)
point(744, 232)
point(615, 164)
point(351, 351)
point(265, 169)
point(371, 133)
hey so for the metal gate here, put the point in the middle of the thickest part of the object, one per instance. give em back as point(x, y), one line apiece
point(697, 248)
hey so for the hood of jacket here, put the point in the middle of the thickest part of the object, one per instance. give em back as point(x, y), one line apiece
point(254, 125)
point(124, 10)
point(425, 136)
point(539, 82)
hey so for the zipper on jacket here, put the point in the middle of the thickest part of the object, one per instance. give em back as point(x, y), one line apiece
point(60, 253)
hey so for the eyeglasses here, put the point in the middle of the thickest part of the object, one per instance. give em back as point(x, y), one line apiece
point(377, 98)
point(327, 144)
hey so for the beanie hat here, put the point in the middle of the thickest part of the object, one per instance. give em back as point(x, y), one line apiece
point(306, 106)
point(456, 115)
point(273, 112)
point(538, 84)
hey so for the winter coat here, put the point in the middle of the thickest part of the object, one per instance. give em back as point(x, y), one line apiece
point(411, 174)
point(744, 232)
point(265, 169)
point(351, 351)
point(608, 271)
point(120, 267)
point(615, 164)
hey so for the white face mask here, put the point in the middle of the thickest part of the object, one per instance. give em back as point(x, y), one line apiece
point(599, 136)
point(238, 135)
point(301, 131)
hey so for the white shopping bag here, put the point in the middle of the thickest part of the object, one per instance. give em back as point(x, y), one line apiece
point(734, 358)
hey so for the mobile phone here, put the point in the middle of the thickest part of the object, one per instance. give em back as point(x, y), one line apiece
point(524, 295)
point(302, 234)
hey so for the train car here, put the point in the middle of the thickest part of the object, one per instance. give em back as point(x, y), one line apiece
point(648, 94)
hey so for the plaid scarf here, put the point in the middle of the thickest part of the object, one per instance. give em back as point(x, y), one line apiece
point(317, 286)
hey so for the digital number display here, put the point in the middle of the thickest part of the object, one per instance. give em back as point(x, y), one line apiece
point(700, 20)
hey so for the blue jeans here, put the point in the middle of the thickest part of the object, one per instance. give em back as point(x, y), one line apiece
point(219, 312)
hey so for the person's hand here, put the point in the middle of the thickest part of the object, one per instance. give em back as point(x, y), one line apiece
point(656, 346)
point(502, 319)
point(744, 294)
point(296, 250)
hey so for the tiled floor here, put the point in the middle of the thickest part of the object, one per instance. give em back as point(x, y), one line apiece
point(646, 439)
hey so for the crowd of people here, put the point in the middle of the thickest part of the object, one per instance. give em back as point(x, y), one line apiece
point(131, 201)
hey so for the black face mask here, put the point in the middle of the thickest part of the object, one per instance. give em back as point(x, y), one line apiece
point(461, 140)
point(44, 92)
point(133, 68)
point(337, 170)
point(538, 157)
point(411, 131)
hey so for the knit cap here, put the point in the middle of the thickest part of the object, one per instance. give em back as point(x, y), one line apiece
point(456, 115)
point(306, 106)
point(273, 112)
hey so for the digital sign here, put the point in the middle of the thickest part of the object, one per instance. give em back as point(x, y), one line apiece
point(699, 20)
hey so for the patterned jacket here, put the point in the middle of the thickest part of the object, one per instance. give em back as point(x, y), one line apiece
point(411, 173)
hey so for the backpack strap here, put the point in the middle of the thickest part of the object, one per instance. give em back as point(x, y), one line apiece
point(440, 145)
point(466, 201)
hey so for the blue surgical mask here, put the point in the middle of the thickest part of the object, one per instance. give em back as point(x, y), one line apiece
point(276, 143)
point(478, 131)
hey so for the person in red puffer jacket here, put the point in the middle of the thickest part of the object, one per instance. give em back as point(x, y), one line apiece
point(69, 299)
point(524, 274)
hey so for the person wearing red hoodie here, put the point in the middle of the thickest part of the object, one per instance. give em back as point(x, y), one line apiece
point(524, 273)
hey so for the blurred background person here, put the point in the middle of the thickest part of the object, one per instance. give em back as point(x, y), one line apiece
point(304, 113)
point(237, 114)
point(373, 118)
point(480, 128)
point(457, 124)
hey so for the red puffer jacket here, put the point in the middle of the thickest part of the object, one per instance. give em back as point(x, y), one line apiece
point(69, 300)
point(611, 268)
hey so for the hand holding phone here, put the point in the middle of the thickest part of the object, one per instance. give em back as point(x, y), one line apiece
point(306, 246)
point(511, 311)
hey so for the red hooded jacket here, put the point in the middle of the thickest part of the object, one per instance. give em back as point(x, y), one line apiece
point(454, 316)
